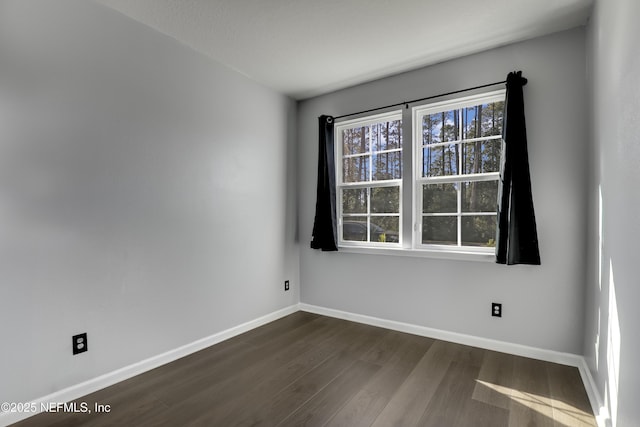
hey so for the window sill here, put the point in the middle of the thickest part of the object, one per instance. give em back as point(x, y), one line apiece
point(457, 255)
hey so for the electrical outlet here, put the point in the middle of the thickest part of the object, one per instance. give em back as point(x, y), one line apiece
point(286, 285)
point(79, 343)
point(496, 309)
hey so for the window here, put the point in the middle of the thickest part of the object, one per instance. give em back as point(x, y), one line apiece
point(457, 146)
point(453, 173)
point(369, 181)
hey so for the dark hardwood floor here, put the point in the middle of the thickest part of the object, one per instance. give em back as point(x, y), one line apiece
point(310, 370)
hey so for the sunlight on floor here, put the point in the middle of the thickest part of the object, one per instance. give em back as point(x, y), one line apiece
point(562, 413)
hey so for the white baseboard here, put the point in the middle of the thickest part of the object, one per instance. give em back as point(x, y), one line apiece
point(599, 409)
point(74, 392)
point(106, 380)
point(489, 344)
point(505, 347)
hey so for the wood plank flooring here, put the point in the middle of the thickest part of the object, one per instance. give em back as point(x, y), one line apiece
point(311, 370)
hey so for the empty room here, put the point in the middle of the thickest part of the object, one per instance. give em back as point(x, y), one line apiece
point(343, 213)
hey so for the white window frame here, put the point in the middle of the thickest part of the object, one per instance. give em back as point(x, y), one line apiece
point(341, 185)
point(418, 112)
point(411, 208)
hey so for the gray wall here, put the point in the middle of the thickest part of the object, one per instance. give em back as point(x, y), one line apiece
point(612, 343)
point(146, 195)
point(543, 306)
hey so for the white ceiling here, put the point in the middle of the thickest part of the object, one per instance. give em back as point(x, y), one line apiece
point(304, 48)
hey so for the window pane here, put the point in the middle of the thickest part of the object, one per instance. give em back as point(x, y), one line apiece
point(387, 166)
point(440, 161)
point(492, 119)
point(354, 200)
point(479, 196)
point(385, 229)
point(355, 169)
point(440, 127)
point(482, 156)
point(439, 230)
point(440, 198)
point(388, 135)
point(355, 229)
point(479, 230)
point(385, 200)
point(355, 140)
point(482, 120)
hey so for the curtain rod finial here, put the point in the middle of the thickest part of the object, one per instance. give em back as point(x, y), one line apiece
point(517, 75)
point(326, 118)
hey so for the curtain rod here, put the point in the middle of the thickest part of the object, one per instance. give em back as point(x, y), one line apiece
point(421, 99)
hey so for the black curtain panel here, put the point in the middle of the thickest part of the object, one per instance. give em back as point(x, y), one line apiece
point(324, 226)
point(517, 238)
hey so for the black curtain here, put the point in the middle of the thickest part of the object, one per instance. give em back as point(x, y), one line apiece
point(517, 238)
point(324, 226)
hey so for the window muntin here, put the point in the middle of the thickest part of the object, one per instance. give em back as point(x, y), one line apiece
point(457, 146)
point(369, 182)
